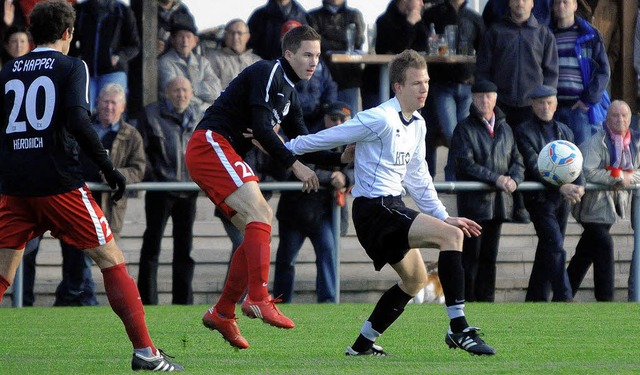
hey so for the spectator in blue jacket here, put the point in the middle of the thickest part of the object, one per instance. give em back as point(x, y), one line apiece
point(583, 72)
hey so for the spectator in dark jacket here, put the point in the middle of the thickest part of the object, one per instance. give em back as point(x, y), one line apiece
point(484, 149)
point(166, 129)
point(265, 24)
point(549, 208)
point(331, 21)
point(106, 38)
point(397, 29)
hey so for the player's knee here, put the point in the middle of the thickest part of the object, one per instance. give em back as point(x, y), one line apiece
point(415, 284)
point(452, 239)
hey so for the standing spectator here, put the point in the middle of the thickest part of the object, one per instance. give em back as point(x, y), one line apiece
point(301, 215)
point(611, 158)
point(265, 24)
point(228, 62)
point(518, 54)
point(484, 149)
point(42, 185)
point(17, 42)
point(450, 87)
point(389, 161)
point(180, 60)
point(261, 97)
point(166, 128)
point(397, 29)
point(549, 208)
point(583, 72)
point(106, 37)
point(331, 21)
point(496, 10)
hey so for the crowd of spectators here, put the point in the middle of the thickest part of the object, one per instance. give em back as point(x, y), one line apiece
point(543, 72)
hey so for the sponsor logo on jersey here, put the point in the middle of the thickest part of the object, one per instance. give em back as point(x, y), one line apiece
point(286, 108)
point(402, 158)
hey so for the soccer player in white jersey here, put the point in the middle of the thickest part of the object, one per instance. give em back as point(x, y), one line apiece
point(389, 162)
point(44, 116)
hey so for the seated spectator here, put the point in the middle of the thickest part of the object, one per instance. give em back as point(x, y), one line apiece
point(180, 60)
point(127, 154)
point(106, 38)
point(166, 128)
point(484, 149)
point(304, 215)
point(549, 208)
point(265, 24)
point(228, 62)
point(611, 158)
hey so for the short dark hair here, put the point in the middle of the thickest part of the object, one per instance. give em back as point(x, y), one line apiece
point(403, 61)
point(49, 19)
point(15, 29)
point(294, 38)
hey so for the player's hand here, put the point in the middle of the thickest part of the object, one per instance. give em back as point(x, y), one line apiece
point(306, 175)
point(117, 181)
point(468, 226)
point(349, 154)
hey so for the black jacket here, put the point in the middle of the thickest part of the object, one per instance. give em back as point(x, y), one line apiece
point(104, 29)
point(531, 138)
point(475, 155)
point(333, 28)
point(264, 25)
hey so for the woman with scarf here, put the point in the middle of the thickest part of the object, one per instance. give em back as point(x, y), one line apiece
point(611, 158)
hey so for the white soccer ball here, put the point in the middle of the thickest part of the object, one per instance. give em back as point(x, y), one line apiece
point(560, 162)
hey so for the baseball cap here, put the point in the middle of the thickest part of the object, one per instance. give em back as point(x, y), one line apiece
point(338, 108)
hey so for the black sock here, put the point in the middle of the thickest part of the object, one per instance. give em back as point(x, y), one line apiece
point(451, 276)
point(388, 309)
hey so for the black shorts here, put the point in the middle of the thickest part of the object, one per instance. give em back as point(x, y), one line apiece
point(382, 225)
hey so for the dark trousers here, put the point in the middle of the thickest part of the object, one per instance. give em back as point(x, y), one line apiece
point(479, 256)
point(159, 206)
point(549, 272)
point(595, 247)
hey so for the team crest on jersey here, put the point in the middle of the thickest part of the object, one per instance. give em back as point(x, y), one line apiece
point(286, 108)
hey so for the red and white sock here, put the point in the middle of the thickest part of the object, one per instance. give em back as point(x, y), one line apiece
point(235, 285)
point(257, 250)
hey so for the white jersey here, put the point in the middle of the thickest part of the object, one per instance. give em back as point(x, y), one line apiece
point(390, 155)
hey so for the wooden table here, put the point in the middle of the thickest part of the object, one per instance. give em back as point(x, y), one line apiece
point(384, 60)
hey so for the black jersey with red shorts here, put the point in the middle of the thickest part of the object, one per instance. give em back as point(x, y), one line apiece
point(261, 97)
point(45, 116)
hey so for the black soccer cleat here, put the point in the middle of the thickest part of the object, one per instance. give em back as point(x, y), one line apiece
point(375, 351)
point(159, 362)
point(470, 341)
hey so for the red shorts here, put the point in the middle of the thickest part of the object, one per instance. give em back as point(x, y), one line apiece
point(216, 167)
point(73, 217)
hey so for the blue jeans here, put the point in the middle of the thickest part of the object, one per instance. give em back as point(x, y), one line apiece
point(578, 121)
point(447, 104)
point(291, 241)
point(96, 84)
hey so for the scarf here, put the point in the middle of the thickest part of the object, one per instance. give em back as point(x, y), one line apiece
point(620, 153)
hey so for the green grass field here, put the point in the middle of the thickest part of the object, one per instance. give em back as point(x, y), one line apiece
point(589, 338)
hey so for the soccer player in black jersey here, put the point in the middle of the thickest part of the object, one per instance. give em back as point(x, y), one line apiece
point(45, 117)
point(258, 100)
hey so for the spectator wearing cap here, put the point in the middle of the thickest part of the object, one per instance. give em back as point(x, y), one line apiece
point(180, 60)
point(234, 56)
point(484, 149)
point(265, 23)
point(308, 215)
point(549, 208)
point(106, 37)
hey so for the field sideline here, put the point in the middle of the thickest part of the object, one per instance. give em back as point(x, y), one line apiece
point(585, 338)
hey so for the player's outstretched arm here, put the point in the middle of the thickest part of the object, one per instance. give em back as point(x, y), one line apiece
point(468, 226)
